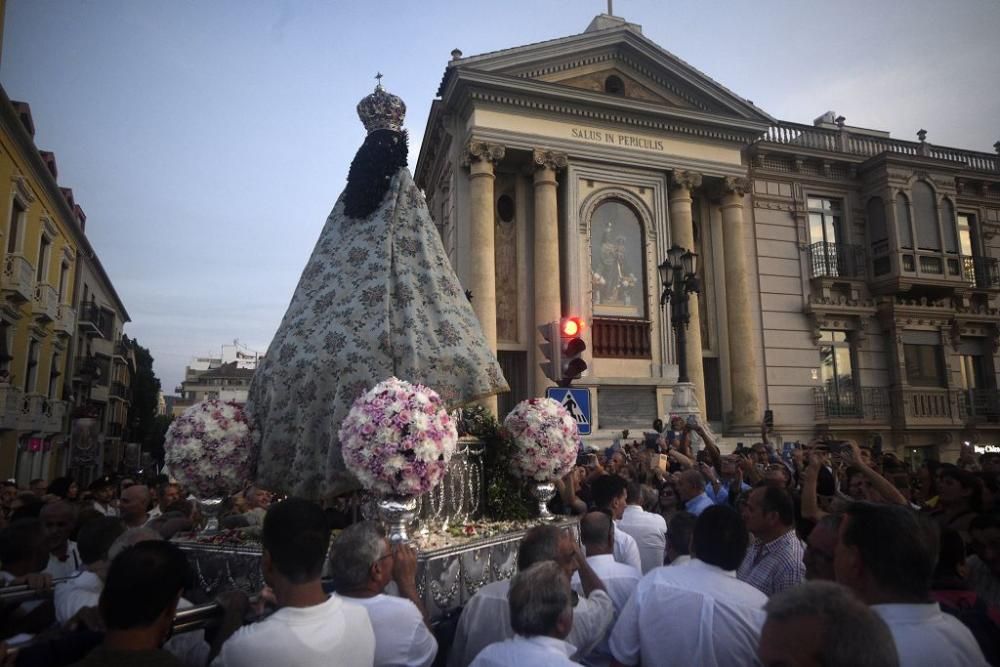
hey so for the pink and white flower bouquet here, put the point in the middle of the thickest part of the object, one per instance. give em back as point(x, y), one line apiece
point(207, 449)
point(398, 438)
point(546, 439)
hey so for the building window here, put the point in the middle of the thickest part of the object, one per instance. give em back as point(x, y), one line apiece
point(903, 226)
point(617, 274)
point(42, 270)
point(965, 223)
point(63, 275)
point(5, 346)
point(54, 374)
point(925, 212)
point(17, 212)
point(949, 227)
point(31, 369)
point(924, 365)
point(829, 254)
point(837, 369)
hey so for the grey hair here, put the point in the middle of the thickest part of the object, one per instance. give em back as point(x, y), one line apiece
point(541, 543)
point(130, 538)
point(539, 597)
point(354, 552)
point(853, 635)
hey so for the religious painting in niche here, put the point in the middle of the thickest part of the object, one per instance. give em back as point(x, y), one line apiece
point(617, 261)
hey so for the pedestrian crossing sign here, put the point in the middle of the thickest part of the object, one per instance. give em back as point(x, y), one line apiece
point(576, 402)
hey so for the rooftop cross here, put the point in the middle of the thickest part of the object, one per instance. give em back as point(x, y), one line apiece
point(378, 76)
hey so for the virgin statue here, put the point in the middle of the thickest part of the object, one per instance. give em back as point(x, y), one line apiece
point(378, 298)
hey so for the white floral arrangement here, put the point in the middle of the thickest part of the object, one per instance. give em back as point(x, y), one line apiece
point(398, 438)
point(597, 280)
point(546, 439)
point(629, 280)
point(207, 449)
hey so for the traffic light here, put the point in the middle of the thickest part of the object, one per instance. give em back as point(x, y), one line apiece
point(571, 348)
point(551, 351)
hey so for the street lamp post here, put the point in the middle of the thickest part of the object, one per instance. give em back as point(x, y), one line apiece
point(677, 273)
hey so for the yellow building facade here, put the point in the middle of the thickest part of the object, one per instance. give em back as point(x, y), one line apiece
point(40, 241)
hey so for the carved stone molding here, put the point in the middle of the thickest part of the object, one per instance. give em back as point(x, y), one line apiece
point(484, 151)
point(682, 178)
point(737, 185)
point(22, 188)
point(546, 159)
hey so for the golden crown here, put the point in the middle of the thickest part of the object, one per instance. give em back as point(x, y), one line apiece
point(381, 110)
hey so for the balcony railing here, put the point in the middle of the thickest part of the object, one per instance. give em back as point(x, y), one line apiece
point(982, 272)
point(974, 404)
point(18, 278)
point(621, 338)
point(861, 404)
point(32, 412)
point(843, 141)
point(90, 318)
point(931, 406)
point(10, 406)
point(118, 390)
point(45, 305)
point(65, 320)
point(835, 260)
point(121, 350)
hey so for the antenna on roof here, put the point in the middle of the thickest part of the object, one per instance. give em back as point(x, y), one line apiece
point(611, 8)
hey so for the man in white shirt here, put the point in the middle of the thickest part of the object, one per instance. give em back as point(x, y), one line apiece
point(822, 623)
point(541, 615)
point(609, 493)
point(649, 530)
point(698, 613)
point(597, 534)
point(58, 520)
point(310, 629)
point(362, 564)
point(679, 538)
point(102, 491)
point(133, 505)
point(84, 590)
point(167, 494)
point(486, 617)
point(886, 554)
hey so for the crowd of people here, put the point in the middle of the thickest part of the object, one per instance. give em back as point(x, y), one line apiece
point(823, 554)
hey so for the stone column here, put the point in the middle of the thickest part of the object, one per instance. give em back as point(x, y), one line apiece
point(682, 233)
point(480, 157)
point(742, 353)
point(545, 270)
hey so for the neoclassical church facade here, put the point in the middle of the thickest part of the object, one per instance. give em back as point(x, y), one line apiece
point(849, 280)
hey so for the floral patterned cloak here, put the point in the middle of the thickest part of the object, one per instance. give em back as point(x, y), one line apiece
point(378, 298)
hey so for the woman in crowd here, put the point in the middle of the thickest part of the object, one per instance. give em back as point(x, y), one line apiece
point(959, 499)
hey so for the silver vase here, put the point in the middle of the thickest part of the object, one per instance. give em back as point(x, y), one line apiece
point(397, 513)
point(543, 493)
point(210, 508)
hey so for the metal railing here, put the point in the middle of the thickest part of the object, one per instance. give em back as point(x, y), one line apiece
point(862, 403)
point(90, 318)
point(983, 272)
point(835, 260)
point(864, 145)
point(118, 390)
point(621, 338)
point(979, 404)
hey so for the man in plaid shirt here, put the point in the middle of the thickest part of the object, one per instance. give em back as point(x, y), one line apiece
point(774, 559)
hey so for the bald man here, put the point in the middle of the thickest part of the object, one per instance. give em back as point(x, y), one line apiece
point(133, 505)
point(58, 520)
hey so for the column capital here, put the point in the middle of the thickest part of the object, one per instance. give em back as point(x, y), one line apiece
point(546, 159)
point(688, 180)
point(735, 185)
point(483, 151)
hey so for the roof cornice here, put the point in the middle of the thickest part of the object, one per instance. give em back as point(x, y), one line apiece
point(41, 175)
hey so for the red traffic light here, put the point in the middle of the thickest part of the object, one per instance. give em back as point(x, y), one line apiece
point(571, 326)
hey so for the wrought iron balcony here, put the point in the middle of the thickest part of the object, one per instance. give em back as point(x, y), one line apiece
point(979, 404)
point(835, 260)
point(118, 390)
point(860, 404)
point(982, 272)
point(18, 278)
point(89, 320)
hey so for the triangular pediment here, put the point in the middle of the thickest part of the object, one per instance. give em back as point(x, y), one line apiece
point(648, 72)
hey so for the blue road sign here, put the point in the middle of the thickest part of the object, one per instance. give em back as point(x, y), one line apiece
point(576, 402)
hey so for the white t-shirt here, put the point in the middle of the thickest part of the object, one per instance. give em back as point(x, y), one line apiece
point(526, 652)
point(927, 636)
point(401, 636)
point(106, 510)
point(335, 632)
point(486, 620)
point(699, 613)
point(65, 568)
point(626, 549)
point(650, 533)
point(621, 581)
